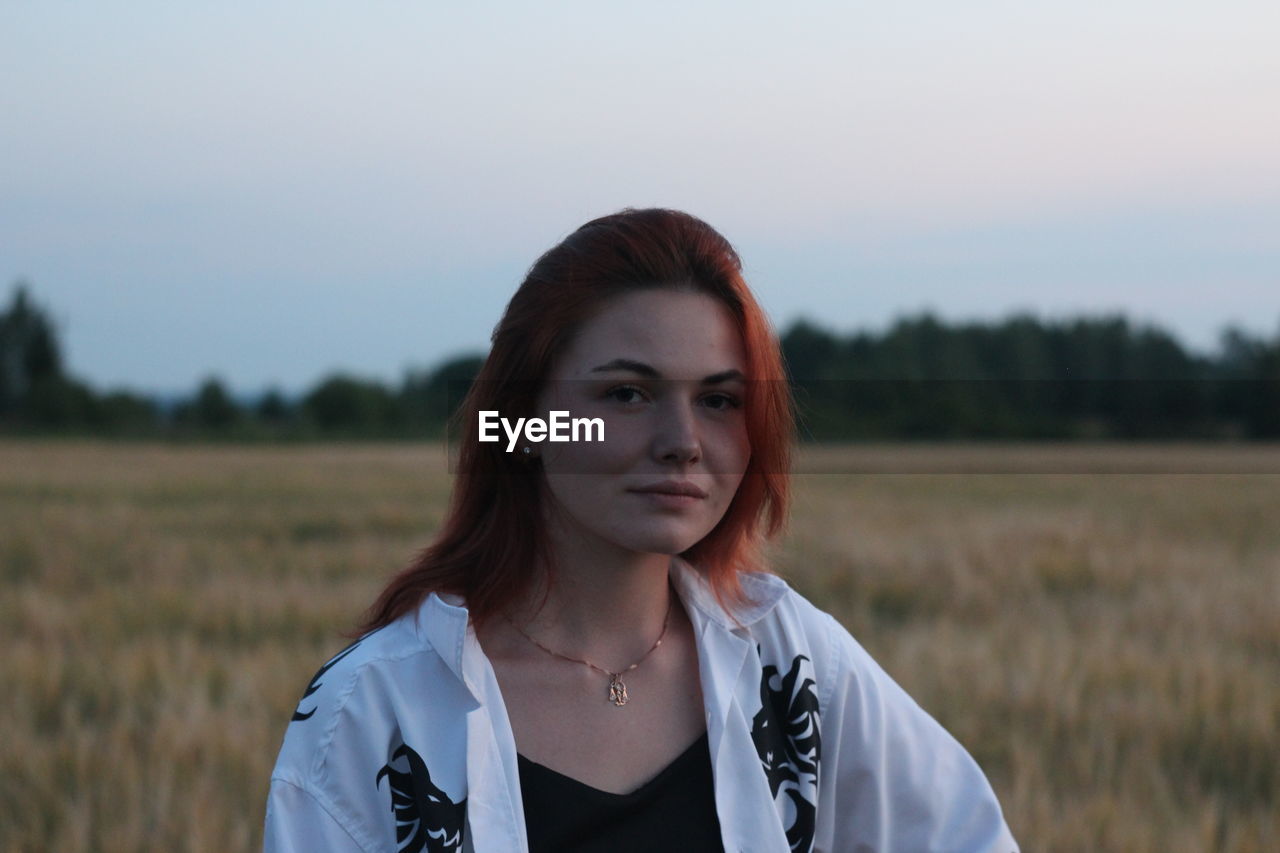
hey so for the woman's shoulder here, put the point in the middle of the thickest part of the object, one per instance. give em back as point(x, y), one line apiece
point(335, 678)
point(369, 722)
point(791, 628)
point(768, 611)
point(356, 696)
point(781, 613)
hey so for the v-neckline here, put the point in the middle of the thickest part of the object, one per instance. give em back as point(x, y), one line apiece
point(698, 747)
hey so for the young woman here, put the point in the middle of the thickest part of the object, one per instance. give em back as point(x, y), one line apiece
point(590, 656)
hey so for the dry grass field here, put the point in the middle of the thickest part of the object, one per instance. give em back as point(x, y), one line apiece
point(1107, 645)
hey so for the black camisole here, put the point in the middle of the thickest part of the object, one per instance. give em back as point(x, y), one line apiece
point(675, 810)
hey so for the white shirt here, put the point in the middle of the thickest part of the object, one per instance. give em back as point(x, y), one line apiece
point(402, 742)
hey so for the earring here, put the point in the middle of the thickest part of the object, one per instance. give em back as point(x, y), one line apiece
point(527, 450)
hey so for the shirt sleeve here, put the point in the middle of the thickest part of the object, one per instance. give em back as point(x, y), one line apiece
point(298, 823)
point(893, 778)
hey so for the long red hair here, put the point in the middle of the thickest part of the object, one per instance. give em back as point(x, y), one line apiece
point(492, 538)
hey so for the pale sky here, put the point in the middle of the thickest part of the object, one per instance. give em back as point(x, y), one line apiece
point(271, 191)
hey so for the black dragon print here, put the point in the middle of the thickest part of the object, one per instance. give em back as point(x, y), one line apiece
point(787, 738)
point(316, 683)
point(426, 819)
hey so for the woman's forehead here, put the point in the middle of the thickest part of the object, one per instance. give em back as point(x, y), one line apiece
point(678, 334)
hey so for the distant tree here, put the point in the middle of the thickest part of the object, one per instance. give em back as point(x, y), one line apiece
point(1266, 420)
point(1248, 370)
point(810, 352)
point(123, 412)
point(1239, 354)
point(29, 356)
point(210, 409)
point(428, 398)
point(273, 408)
point(346, 404)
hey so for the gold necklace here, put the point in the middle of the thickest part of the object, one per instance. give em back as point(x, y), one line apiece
point(617, 688)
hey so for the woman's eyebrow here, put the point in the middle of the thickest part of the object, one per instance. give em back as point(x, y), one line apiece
point(627, 364)
point(651, 372)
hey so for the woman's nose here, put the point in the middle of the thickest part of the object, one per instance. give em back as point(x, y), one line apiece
point(676, 437)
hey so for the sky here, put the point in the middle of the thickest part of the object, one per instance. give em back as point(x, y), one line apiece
point(273, 191)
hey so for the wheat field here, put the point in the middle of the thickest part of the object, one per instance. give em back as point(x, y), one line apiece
point(1106, 645)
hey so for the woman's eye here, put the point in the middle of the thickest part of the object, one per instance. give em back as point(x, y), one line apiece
point(722, 402)
point(625, 394)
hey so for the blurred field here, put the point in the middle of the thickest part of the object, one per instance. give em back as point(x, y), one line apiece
point(1107, 645)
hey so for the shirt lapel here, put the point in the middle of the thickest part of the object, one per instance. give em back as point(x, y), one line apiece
point(730, 673)
point(495, 814)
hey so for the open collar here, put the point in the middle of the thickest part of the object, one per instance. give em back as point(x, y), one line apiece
point(763, 592)
point(443, 622)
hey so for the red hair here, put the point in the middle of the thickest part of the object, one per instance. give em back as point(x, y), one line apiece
point(493, 534)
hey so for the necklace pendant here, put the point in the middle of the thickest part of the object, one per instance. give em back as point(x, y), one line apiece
point(617, 690)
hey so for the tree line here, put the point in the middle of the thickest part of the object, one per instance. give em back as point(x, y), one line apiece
point(1019, 378)
point(1025, 378)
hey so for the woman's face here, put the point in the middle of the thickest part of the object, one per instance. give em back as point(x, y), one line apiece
point(665, 372)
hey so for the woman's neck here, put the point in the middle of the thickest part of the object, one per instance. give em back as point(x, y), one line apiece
point(601, 603)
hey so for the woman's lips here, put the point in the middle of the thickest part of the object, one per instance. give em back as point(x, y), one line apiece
point(671, 494)
point(666, 500)
point(676, 488)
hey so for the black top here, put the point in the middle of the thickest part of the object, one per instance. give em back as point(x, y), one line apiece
point(675, 810)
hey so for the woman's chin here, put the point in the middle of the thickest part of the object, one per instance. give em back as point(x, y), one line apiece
point(667, 542)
